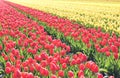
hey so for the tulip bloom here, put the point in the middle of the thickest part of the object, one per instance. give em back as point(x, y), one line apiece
point(61, 73)
point(99, 75)
point(8, 70)
point(70, 74)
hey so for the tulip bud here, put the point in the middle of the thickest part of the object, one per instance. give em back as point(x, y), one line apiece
point(70, 74)
point(99, 75)
point(61, 73)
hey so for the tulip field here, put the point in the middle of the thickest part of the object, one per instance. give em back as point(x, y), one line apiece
point(37, 43)
point(91, 13)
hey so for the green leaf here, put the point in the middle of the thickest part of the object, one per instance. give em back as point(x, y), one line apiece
point(103, 70)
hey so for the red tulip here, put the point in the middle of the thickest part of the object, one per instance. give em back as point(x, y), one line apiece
point(114, 48)
point(79, 60)
point(94, 68)
point(64, 66)
point(61, 73)
point(50, 58)
point(24, 74)
point(75, 56)
point(80, 74)
point(103, 42)
point(43, 63)
point(31, 68)
point(70, 74)
point(99, 75)
point(44, 72)
point(107, 53)
point(30, 75)
point(53, 67)
point(17, 73)
point(62, 52)
point(8, 64)
point(26, 69)
point(73, 62)
point(44, 55)
point(81, 67)
point(7, 70)
point(53, 76)
point(51, 51)
point(5, 57)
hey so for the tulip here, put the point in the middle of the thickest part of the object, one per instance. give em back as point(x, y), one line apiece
point(80, 74)
point(53, 76)
point(107, 53)
point(30, 75)
point(44, 72)
point(53, 67)
point(43, 63)
point(114, 48)
point(73, 62)
point(32, 68)
point(8, 64)
point(70, 74)
point(7, 70)
point(61, 73)
point(99, 75)
point(64, 66)
point(17, 73)
point(81, 67)
point(111, 77)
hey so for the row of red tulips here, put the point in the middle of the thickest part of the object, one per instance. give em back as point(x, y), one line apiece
point(28, 51)
point(99, 43)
